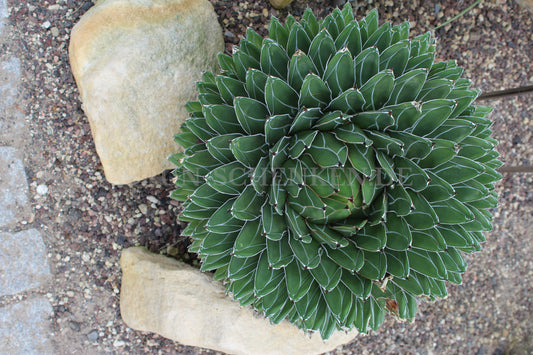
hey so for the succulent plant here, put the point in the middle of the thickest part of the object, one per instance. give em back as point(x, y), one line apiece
point(333, 172)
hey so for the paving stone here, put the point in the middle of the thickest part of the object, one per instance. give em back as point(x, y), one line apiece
point(25, 327)
point(3, 13)
point(13, 187)
point(23, 262)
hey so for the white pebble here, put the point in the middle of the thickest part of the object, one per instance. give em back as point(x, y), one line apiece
point(42, 189)
point(152, 199)
point(46, 24)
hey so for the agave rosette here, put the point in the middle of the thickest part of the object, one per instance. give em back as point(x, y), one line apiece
point(333, 172)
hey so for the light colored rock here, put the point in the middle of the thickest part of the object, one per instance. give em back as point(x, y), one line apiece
point(527, 4)
point(179, 302)
point(25, 327)
point(23, 262)
point(280, 4)
point(13, 187)
point(135, 63)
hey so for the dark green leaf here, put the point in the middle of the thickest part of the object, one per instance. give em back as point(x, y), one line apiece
point(223, 221)
point(274, 59)
point(280, 98)
point(339, 74)
point(228, 179)
point(395, 58)
point(250, 240)
point(249, 149)
point(377, 90)
point(314, 92)
point(366, 65)
point(375, 265)
point(248, 205)
point(251, 114)
point(322, 48)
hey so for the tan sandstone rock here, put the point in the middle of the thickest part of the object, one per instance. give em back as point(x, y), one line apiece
point(135, 63)
point(173, 299)
point(280, 4)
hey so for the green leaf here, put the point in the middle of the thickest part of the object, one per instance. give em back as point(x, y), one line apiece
point(243, 62)
point(359, 286)
point(200, 128)
point(330, 121)
point(349, 257)
point(242, 267)
point(399, 201)
point(371, 238)
point(375, 266)
point(327, 236)
point(339, 74)
point(474, 148)
point(427, 263)
point(429, 239)
point(226, 63)
point(222, 119)
point(458, 169)
point(279, 153)
point(274, 227)
point(395, 58)
point(455, 236)
point(413, 146)
point(311, 24)
point(292, 172)
point(350, 133)
point(255, 84)
point(280, 98)
point(277, 32)
point(382, 141)
point(222, 221)
point(252, 44)
point(398, 233)
point(249, 149)
point(308, 204)
point(397, 263)
point(322, 48)
point(201, 163)
point(309, 254)
point(193, 211)
point(377, 90)
point(410, 174)
point(267, 279)
point(185, 139)
point(305, 119)
point(300, 65)
point(298, 281)
point(327, 151)
point(276, 127)
point(249, 242)
point(369, 24)
point(228, 179)
point(423, 216)
point(441, 152)
point(274, 59)
point(434, 113)
point(297, 225)
point(314, 92)
point(248, 205)
point(407, 86)
point(339, 301)
point(421, 61)
point(230, 88)
point(453, 260)
point(452, 211)
point(210, 99)
point(300, 142)
point(435, 89)
point(454, 130)
point(251, 114)
point(362, 159)
point(405, 114)
point(366, 65)
point(350, 38)
point(219, 147)
point(438, 189)
point(327, 274)
point(212, 262)
point(307, 306)
point(470, 190)
point(381, 38)
point(375, 120)
point(208, 197)
point(463, 97)
point(278, 194)
point(350, 101)
point(279, 252)
point(369, 190)
point(298, 40)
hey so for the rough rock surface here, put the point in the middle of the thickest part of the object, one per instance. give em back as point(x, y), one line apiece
point(13, 186)
point(135, 63)
point(280, 4)
point(164, 296)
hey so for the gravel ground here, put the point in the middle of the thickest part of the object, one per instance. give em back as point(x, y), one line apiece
point(86, 221)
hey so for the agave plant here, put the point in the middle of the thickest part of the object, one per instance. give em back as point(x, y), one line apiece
point(333, 172)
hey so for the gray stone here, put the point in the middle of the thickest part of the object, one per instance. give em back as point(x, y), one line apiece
point(11, 119)
point(3, 13)
point(25, 327)
point(23, 262)
point(13, 187)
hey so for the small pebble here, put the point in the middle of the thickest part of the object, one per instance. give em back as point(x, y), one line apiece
point(93, 336)
point(42, 189)
point(46, 25)
point(54, 31)
point(118, 343)
point(152, 199)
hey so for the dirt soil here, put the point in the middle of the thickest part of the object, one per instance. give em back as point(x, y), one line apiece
point(86, 221)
